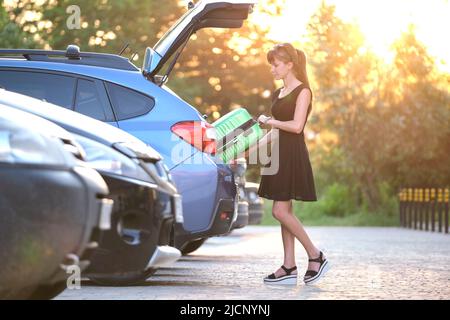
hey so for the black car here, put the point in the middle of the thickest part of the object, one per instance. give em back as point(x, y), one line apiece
point(147, 207)
point(53, 208)
point(255, 203)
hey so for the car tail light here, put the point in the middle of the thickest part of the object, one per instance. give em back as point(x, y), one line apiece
point(224, 216)
point(199, 134)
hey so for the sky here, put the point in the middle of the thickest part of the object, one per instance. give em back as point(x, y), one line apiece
point(381, 21)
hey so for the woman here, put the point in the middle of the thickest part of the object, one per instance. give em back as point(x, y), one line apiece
point(291, 106)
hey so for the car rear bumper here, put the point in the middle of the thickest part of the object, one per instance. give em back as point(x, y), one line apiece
point(163, 256)
point(208, 190)
point(225, 214)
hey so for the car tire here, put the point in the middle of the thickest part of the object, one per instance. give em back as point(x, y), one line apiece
point(128, 279)
point(192, 246)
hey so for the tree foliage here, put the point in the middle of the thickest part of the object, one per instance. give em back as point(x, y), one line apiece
point(12, 34)
point(389, 123)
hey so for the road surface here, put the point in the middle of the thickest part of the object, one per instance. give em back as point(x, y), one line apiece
point(367, 263)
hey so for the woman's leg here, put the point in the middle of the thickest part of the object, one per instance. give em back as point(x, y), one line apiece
point(288, 247)
point(281, 211)
point(288, 243)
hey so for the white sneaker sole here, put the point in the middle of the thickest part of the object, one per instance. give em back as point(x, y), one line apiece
point(322, 271)
point(292, 279)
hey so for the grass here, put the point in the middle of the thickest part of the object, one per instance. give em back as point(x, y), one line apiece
point(311, 215)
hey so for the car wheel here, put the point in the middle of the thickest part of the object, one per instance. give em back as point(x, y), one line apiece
point(192, 246)
point(127, 279)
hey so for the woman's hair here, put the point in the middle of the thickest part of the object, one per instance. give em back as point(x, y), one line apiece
point(287, 53)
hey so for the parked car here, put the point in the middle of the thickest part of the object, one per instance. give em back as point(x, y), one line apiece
point(53, 208)
point(146, 203)
point(248, 194)
point(138, 102)
point(255, 203)
point(239, 168)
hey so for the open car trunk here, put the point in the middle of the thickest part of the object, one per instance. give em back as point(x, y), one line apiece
point(204, 14)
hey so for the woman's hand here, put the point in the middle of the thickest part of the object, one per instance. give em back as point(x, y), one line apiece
point(262, 119)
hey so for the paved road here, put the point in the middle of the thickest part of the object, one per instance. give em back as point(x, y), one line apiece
point(367, 263)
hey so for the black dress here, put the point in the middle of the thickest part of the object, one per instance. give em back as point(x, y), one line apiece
point(294, 178)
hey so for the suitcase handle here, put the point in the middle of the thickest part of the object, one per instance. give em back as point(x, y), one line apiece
point(244, 127)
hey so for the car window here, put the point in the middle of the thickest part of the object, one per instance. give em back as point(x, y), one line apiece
point(49, 87)
point(128, 103)
point(88, 100)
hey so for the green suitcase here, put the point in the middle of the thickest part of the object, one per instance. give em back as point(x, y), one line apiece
point(236, 132)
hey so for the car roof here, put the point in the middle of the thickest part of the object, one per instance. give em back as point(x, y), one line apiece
point(129, 79)
point(103, 73)
point(71, 56)
point(71, 121)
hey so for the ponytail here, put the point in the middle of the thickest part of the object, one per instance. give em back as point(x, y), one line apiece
point(300, 66)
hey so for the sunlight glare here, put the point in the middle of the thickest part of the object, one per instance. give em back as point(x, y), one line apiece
point(381, 22)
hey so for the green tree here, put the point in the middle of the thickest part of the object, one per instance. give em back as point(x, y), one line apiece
point(104, 26)
point(11, 33)
point(347, 95)
point(390, 122)
point(419, 119)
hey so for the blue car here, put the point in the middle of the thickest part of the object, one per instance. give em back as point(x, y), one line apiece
point(111, 89)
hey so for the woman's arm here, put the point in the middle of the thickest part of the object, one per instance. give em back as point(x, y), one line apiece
point(301, 109)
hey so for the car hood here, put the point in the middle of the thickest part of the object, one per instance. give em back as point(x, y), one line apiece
point(38, 125)
point(33, 122)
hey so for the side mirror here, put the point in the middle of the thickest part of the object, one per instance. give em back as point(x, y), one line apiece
point(151, 61)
